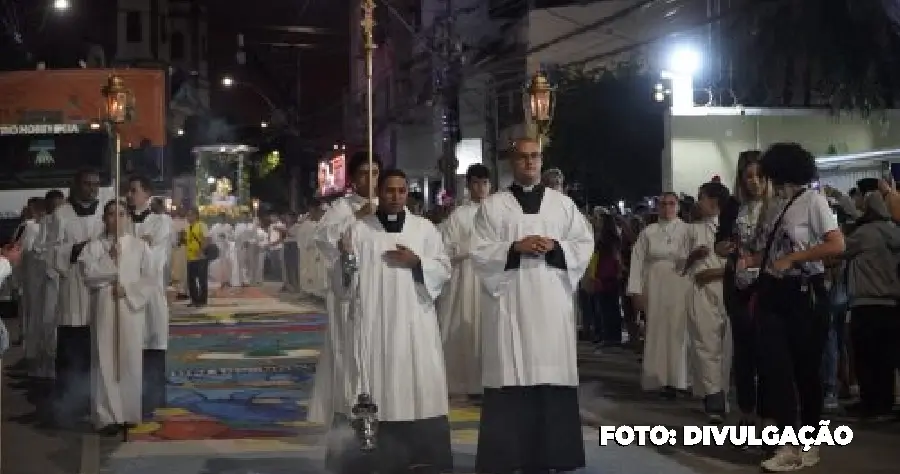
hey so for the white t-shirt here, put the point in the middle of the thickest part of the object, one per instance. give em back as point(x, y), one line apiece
point(804, 226)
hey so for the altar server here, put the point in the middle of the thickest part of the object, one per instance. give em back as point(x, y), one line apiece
point(47, 291)
point(74, 224)
point(658, 287)
point(156, 231)
point(460, 305)
point(530, 247)
point(332, 393)
point(708, 326)
point(220, 269)
point(313, 275)
point(400, 269)
point(119, 270)
point(31, 275)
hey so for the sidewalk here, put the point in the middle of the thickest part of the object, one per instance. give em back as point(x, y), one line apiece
point(611, 390)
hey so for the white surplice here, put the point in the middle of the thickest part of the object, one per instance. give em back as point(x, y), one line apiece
point(31, 277)
point(220, 268)
point(313, 273)
point(460, 305)
point(708, 325)
point(156, 230)
point(528, 332)
point(178, 261)
point(396, 340)
point(656, 272)
point(49, 294)
point(333, 391)
point(65, 230)
point(117, 359)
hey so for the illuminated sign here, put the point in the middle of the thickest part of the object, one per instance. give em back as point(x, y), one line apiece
point(40, 129)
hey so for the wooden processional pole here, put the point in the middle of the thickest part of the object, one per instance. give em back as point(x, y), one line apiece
point(368, 26)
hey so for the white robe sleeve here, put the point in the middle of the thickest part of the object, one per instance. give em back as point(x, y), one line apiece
point(489, 250)
point(435, 264)
point(160, 233)
point(636, 272)
point(577, 245)
point(330, 229)
point(59, 248)
point(452, 234)
point(138, 293)
point(97, 268)
point(5, 270)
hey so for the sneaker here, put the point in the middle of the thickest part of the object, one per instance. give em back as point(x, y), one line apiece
point(785, 459)
point(810, 458)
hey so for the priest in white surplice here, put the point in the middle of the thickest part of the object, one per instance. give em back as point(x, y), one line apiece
point(312, 272)
point(73, 224)
point(156, 231)
point(659, 288)
point(530, 247)
point(119, 270)
point(460, 304)
point(400, 269)
point(332, 393)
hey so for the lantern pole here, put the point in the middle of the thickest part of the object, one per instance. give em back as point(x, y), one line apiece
point(368, 26)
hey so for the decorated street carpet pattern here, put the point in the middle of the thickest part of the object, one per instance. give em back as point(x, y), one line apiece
point(245, 371)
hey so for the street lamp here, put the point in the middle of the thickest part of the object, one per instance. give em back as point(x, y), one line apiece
point(227, 81)
point(61, 5)
point(264, 125)
point(539, 103)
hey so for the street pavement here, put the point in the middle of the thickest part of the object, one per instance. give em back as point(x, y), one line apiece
point(610, 393)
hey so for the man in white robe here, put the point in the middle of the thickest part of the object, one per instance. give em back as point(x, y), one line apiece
point(48, 291)
point(658, 287)
point(290, 251)
point(119, 270)
point(332, 393)
point(396, 340)
point(31, 278)
point(73, 225)
point(179, 255)
point(530, 247)
point(313, 273)
point(220, 268)
point(461, 304)
point(709, 328)
point(155, 230)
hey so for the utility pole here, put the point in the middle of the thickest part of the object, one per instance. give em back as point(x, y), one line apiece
point(449, 83)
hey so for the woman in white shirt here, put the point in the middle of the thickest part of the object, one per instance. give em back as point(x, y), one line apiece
point(791, 304)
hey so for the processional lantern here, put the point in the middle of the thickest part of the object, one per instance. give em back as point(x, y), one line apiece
point(119, 100)
point(539, 103)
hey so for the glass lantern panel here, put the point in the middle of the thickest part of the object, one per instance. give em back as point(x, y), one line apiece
point(540, 105)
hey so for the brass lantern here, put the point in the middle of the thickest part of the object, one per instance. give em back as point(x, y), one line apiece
point(540, 101)
point(119, 100)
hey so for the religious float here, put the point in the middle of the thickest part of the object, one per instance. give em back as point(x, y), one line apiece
point(221, 186)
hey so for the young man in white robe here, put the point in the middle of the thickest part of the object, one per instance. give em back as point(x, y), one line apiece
point(31, 275)
point(120, 272)
point(658, 287)
point(178, 260)
point(220, 268)
point(708, 325)
point(332, 394)
point(461, 304)
point(155, 230)
point(396, 339)
point(530, 247)
point(72, 226)
point(48, 292)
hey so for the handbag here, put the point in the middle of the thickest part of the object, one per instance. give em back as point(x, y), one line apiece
point(756, 286)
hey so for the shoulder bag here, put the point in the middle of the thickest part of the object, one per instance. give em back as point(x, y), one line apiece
point(759, 285)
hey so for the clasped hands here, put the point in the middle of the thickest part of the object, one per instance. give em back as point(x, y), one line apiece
point(402, 256)
point(534, 245)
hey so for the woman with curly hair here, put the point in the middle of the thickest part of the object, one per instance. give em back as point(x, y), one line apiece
point(790, 303)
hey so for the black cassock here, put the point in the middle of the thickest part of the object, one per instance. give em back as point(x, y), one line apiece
point(532, 429)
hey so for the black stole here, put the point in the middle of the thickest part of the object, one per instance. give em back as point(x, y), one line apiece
point(84, 209)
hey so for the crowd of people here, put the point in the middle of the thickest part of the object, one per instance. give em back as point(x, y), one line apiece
point(776, 294)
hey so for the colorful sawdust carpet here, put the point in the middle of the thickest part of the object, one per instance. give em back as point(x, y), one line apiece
point(234, 376)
